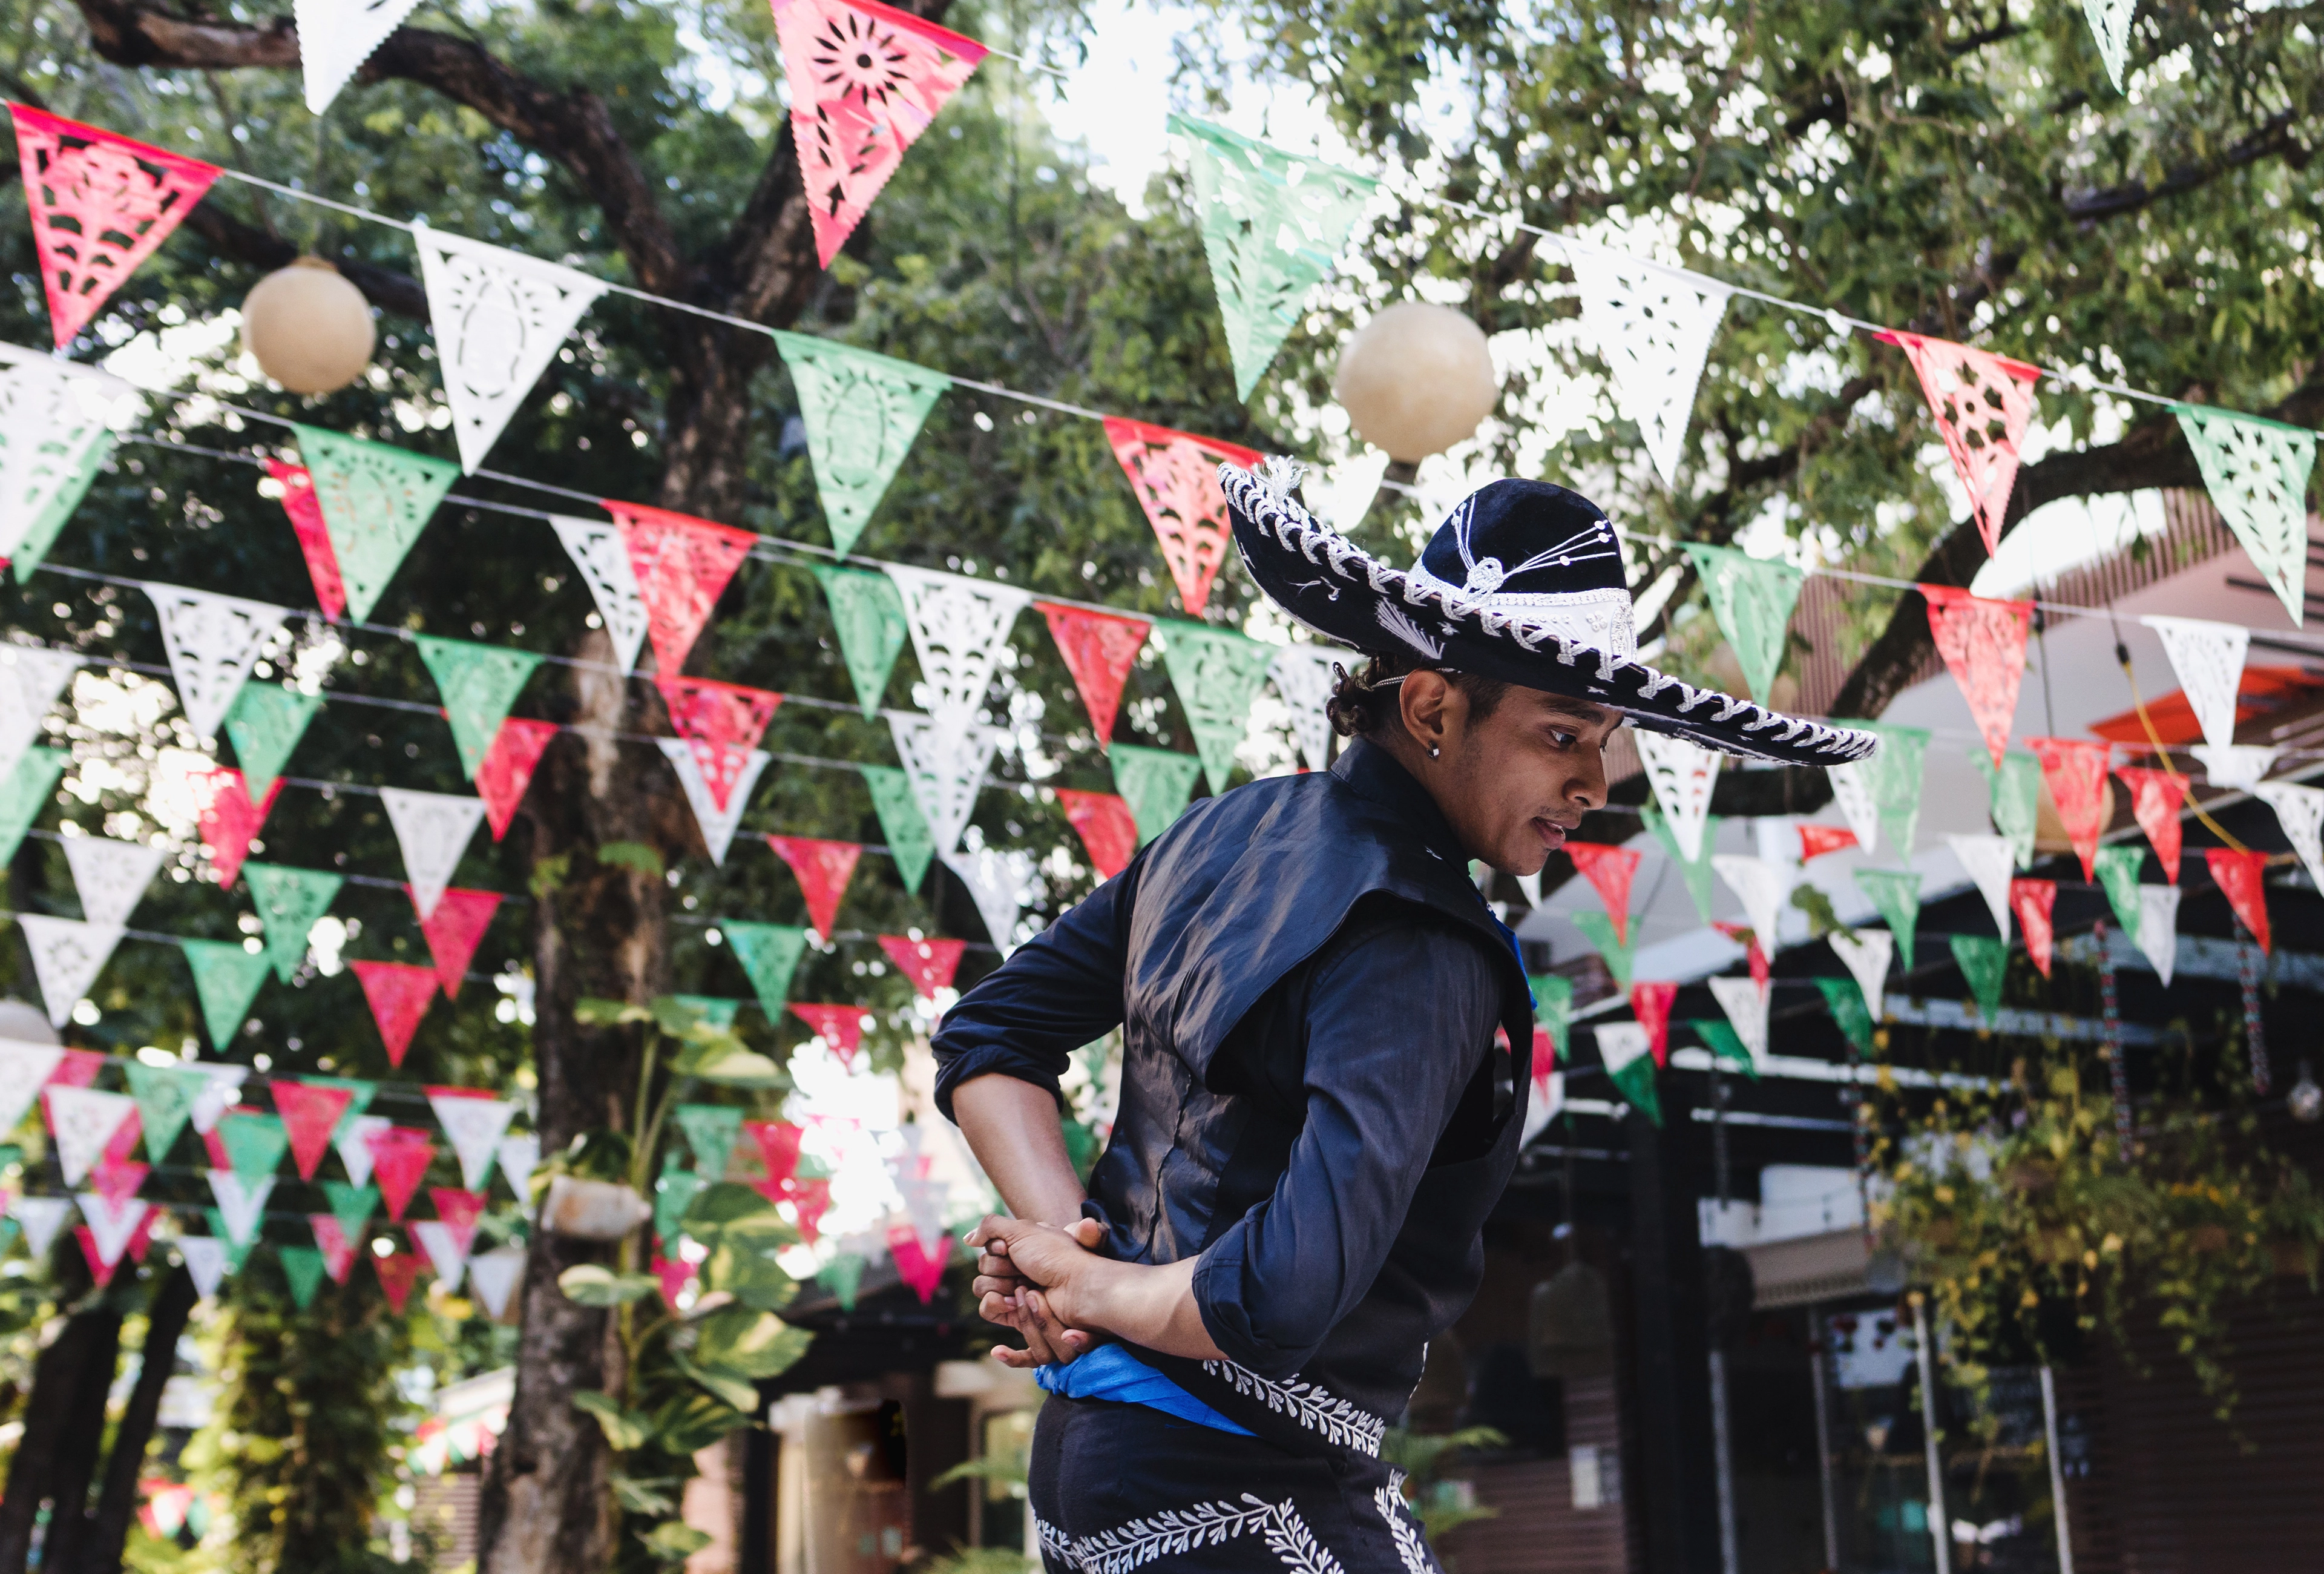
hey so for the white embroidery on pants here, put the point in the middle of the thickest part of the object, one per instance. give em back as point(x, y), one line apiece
point(1310, 1404)
point(1139, 1542)
point(1389, 1500)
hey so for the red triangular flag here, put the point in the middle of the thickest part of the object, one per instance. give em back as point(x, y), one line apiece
point(230, 820)
point(1608, 870)
point(810, 1200)
point(1983, 643)
point(99, 1269)
point(398, 1271)
point(1650, 1004)
point(1740, 933)
point(123, 1144)
point(2076, 775)
point(682, 564)
point(928, 964)
point(1816, 841)
point(118, 1179)
point(79, 1068)
point(142, 1239)
point(2031, 900)
point(2157, 798)
point(822, 870)
point(865, 80)
point(309, 1115)
point(778, 1145)
point(507, 767)
point(100, 207)
point(722, 723)
point(331, 1240)
point(1109, 830)
point(459, 1211)
point(923, 1271)
point(1099, 649)
point(1981, 402)
point(1545, 1059)
point(2241, 876)
point(674, 1274)
point(841, 1027)
point(306, 512)
point(455, 930)
point(399, 1157)
point(399, 993)
point(1176, 476)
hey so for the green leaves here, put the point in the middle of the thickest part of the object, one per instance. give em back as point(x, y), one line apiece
point(593, 1284)
point(595, 1012)
point(633, 855)
point(675, 1541)
point(740, 1340)
point(623, 1429)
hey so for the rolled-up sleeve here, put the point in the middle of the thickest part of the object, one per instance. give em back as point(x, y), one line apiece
point(1396, 1025)
point(1058, 992)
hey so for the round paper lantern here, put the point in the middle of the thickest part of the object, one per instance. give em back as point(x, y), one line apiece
point(1417, 379)
point(308, 327)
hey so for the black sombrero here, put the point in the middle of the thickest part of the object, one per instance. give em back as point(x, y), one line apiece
point(1523, 582)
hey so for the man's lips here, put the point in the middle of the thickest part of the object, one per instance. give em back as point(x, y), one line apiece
point(1553, 834)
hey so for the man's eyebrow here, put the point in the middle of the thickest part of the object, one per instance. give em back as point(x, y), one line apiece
point(1576, 711)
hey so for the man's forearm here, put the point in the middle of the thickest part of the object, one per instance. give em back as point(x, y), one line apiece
point(1013, 1128)
point(1154, 1307)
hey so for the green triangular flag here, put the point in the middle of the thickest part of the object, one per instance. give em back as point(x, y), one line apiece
point(1630, 1062)
point(25, 792)
point(770, 953)
point(255, 1144)
point(303, 1267)
point(868, 615)
point(1985, 963)
point(225, 980)
point(2118, 868)
point(264, 725)
point(1553, 1008)
point(78, 456)
point(1845, 1000)
point(1217, 674)
point(1699, 876)
point(376, 501)
point(1752, 599)
point(2014, 797)
point(1273, 224)
point(714, 1010)
point(351, 1205)
point(710, 1131)
point(910, 843)
point(1597, 929)
point(1896, 782)
point(165, 1097)
point(478, 684)
point(843, 1276)
point(674, 1193)
point(289, 902)
point(1726, 1046)
point(1155, 783)
point(359, 1096)
point(1896, 894)
point(237, 1253)
point(861, 411)
point(2257, 472)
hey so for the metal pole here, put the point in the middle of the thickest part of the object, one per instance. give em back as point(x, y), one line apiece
point(1940, 1529)
point(2057, 1473)
point(1821, 1359)
point(1731, 1558)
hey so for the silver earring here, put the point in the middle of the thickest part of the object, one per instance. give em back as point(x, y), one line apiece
point(1433, 751)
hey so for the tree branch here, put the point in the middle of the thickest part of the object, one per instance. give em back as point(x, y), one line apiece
point(2274, 139)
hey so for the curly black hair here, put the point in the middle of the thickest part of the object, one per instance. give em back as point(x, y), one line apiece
point(1364, 704)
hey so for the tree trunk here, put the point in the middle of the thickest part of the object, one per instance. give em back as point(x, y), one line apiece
point(80, 1439)
point(56, 1381)
point(116, 1502)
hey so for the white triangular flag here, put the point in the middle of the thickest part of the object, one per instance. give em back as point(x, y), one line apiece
point(217, 1095)
point(602, 557)
point(1304, 678)
point(111, 875)
point(2110, 22)
point(433, 829)
point(2158, 928)
point(1548, 1103)
point(1851, 789)
point(923, 1205)
point(443, 1248)
point(207, 1261)
point(495, 1275)
point(1653, 327)
point(475, 1127)
point(2239, 765)
point(112, 1226)
point(41, 1218)
point(241, 1203)
point(499, 318)
point(83, 1121)
point(1760, 886)
point(519, 1156)
point(1992, 862)
point(946, 768)
point(1681, 775)
point(67, 957)
point(2209, 658)
point(1744, 1001)
point(23, 1068)
point(353, 1144)
point(213, 641)
point(718, 824)
point(998, 882)
point(1342, 501)
point(336, 37)
point(31, 680)
point(1620, 1043)
point(2301, 811)
point(959, 627)
point(1867, 953)
point(53, 434)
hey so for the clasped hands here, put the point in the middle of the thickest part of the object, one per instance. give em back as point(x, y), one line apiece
point(1036, 1278)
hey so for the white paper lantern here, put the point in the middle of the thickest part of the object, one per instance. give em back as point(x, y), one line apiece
point(308, 327)
point(1417, 379)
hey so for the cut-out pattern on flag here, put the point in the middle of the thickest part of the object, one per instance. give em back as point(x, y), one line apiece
point(1853, 791)
point(82, 1121)
point(2242, 877)
point(253, 1145)
point(1609, 871)
point(2076, 774)
point(1627, 1052)
point(1108, 828)
point(1991, 863)
point(311, 1115)
point(2033, 901)
point(717, 823)
point(1000, 883)
point(1156, 784)
point(433, 831)
point(111, 876)
point(399, 1157)
point(722, 723)
point(1983, 643)
point(1682, 775)
point(474, 1122)
point(31, 680)
point(1845, 1001)
point(336, 37)
point(165, 1096)
point(710, 1130)
point(822, 869)
point(478, 684)
point(1304, 678)
point(1816, 841)
point(206, 1262)
point(1702, 883)
point(1897, 777)
point(2239, 765)
point(868, 616)
point(945, 766)
point(1982, 403)
point(2156, 797)
point(306, 516)
point(2110, 22)
point(265, 724)
point(929, 963)
point(959, 627)
point(499, 318)
point(911, 845)
point(44, 1217)
point(230, 820)
point(1176, 476)
point(1217, 672)
point(1273, 224)
point(2013, 798)
point(601, 558)
point(110, 1226)
point(681, 566)
point(1099, 650)
point(840, 1027)
point(1865, 954)
point(25, 790)
point(507, 768)
point(861, 411)
point(770, 954)
point(399, 993)
point(778, 1147)
point(1985, 964)
point(2257, 472)
point(212, 641)
point(376, 501)
point(1552, 1010)
point(2208, 659)
point(1598, 930)
point(1761, 888)
point(67, 957)
point(2300, 810)
point(1653, 327)
point(226, 981)
point(53, 440)
point(454, 931)
point(866, 80)
point(1744, 1001)
point(2158, 928)
point(2118, 868)
point(24, 1069)
point(100, 205)
point(1752, 599)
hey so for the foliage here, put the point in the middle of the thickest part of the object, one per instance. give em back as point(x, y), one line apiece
point(1442, 1504)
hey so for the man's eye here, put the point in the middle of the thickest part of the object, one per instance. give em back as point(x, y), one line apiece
point(1564, 740)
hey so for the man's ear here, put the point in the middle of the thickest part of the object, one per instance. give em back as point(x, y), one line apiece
point(1426, 698)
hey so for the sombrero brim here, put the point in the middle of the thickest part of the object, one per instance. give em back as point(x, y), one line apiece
point(1342, 592)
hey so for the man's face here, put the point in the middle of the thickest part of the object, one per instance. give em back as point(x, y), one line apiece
point(1514, 782)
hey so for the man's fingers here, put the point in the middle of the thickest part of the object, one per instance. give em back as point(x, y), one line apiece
point(1089, 1232)
point(1021, 1360)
